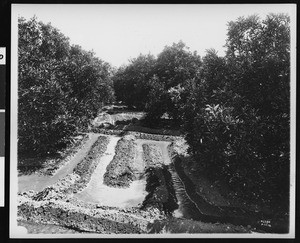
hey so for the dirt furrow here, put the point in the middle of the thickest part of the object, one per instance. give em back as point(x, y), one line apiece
point(39, 182)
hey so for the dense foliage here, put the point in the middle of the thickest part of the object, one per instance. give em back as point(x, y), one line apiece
point(131, 82)
point(237, 120)
point(60, 88)
point(234, 110)
point(175, 66)
point(155, 84)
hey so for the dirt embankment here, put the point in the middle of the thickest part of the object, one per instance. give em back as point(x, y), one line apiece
point(66, 211)
point(152, 156)
point(144, 134)
point(122, 122)
point(161, 193)
point(122, 170)
point(86, 167)
point(49, 165)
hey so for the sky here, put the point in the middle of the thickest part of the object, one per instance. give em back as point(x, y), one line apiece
point(117, 33)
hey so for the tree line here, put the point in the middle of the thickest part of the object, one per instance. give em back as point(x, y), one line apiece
point(233, 110)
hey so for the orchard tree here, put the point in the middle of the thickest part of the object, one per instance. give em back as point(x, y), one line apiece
point(215, 73)
point(237, 116)
point(132, 82)
point(60, 87)
point(174, 66)
point(90, 84)
point(41, 97)
point(259, 54)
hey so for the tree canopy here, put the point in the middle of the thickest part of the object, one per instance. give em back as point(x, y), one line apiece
point(237, 117)
point(61, 87)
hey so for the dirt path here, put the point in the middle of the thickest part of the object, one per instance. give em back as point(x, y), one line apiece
point(97, 192)
point(39, 182)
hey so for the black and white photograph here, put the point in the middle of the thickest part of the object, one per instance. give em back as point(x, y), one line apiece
point(152, 121)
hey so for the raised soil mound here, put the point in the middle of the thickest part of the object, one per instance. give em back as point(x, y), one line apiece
point(86, 167)
point(121, 170)
point(85, 217)
point(147, 134)
point(152, 155)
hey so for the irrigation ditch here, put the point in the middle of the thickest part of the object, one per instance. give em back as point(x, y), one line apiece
point(171, 203)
